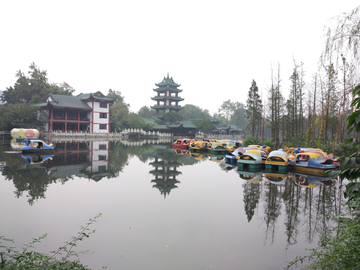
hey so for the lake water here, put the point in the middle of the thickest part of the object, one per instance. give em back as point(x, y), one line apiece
point(161, 209)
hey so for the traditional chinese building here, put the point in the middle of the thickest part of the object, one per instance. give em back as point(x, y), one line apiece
point(167, 98)
point(85, 112)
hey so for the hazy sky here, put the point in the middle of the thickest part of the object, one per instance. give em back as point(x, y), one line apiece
point(214, 49)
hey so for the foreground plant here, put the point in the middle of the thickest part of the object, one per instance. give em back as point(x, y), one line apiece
point(59, 259)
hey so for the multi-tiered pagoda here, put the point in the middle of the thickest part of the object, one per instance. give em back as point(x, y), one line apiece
point(167, 99)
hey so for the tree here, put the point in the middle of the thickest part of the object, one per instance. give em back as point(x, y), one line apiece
point(232, 112)
point(19, 115)
point(254, 109)
point(194, 112)
point(205, 125)
point(33, 88)
point(146, 112)
point(172, 117)
point(275, 104)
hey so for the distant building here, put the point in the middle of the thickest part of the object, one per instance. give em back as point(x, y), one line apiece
point(167, 98)
point(85, 112)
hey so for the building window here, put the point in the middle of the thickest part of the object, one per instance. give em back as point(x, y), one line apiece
point(102, 146)
point(103, 105)
point(103, 115)
point(103, 126)
point(102, 157)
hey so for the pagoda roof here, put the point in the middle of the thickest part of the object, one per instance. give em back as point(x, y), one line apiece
point(98, 95)
point(167, 81)
point(164, 88)
point(167, 97)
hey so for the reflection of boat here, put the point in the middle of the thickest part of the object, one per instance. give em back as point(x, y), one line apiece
point(36, 159)
point(311, 181)
point(277, 160)
point(216, 157)
point(252, 159)
point(181, 143)
point(251, 176)
point(36, 146)
point(312, 163)
point(197, 155)
point(181, 151)
point(276, 177)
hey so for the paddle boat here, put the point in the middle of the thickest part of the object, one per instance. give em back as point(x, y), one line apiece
point(181, 143)
point(230, 145)
point(232, 157)
point(277, 160)
point(36, 146)
point(252, 159)
point(216, 147)
point(199, 145)
point(315, 163)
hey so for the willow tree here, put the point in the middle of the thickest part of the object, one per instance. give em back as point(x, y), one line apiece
point(342, 40)
point(254, 110)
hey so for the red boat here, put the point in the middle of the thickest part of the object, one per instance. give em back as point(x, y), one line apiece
point(181, 143)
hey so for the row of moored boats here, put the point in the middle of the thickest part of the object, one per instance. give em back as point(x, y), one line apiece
point(257, 157)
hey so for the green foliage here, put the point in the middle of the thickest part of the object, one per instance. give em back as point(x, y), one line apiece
point(172, 117)
point(254, 109)
point(27, 259)
point(204, 125)
point(33, 88)
point(19, 115)
point(232, 113)
point(194, 112)
point(117, 95)
point(146, 112)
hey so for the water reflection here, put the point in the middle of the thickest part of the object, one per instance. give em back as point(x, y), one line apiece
point(263, 208)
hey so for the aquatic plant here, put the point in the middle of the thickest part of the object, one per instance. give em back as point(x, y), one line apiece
point(27, 259)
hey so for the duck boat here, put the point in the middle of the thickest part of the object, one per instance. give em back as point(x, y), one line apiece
point(36, 147)
point(252, 159)
point(216, 148)
point(199, 145)
point(181, 143)
point(315, 163)
point(277, 160)
point(232, 157)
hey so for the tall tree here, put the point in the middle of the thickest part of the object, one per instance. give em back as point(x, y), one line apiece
point(275, 101)
point(33, 88)
point(254, 110)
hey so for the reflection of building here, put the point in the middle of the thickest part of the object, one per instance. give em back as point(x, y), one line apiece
point(89, 160)
point(85, 112)
point(167, 99)
point(165, 173)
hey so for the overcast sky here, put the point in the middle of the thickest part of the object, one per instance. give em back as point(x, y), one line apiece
point(214, 49)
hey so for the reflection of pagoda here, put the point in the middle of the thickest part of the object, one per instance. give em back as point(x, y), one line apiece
point(165, 173)
point(167, 99)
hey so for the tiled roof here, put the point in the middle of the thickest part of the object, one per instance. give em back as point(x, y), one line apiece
point(97, 95)
point(67, 101)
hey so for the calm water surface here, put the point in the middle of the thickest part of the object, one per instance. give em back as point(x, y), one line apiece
point(161, 209)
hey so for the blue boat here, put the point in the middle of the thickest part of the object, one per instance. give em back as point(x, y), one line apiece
point(36, 146)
